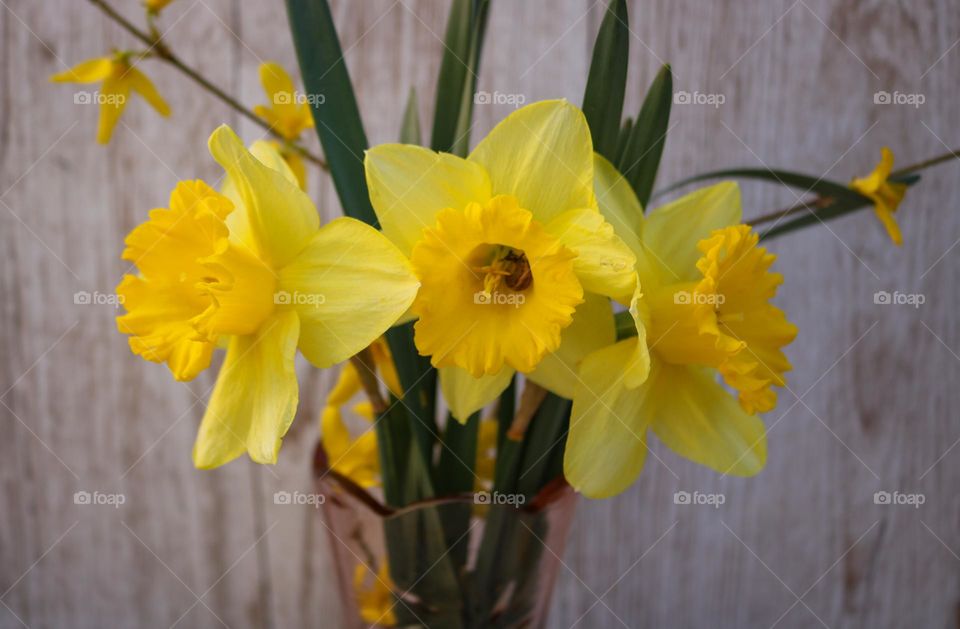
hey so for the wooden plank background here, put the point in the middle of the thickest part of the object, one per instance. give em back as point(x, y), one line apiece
point(873, 400)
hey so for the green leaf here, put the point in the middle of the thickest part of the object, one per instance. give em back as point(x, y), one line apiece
point(622, 140)
point(336, 115)
point(641, 155)
point(806, 183)
point(458, 456)
point(607, 80)
point(457, 82)
point(410, 129)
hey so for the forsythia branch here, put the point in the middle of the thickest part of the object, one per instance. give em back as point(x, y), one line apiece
point(160, 50)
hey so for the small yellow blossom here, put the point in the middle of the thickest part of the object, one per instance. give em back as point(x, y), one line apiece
point(375, 596)
point(118, 78)
point(508, 244)
point(287, 113)
point(261, 276)
point(155, 6)
point(885, 194)
point(356, 458)
point(703, 314)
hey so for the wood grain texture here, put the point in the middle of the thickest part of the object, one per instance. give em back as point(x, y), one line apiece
point(872, 404)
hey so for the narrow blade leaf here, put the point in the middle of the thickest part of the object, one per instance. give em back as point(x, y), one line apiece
point(607, 80)
point(641, 156)
point(336, 115)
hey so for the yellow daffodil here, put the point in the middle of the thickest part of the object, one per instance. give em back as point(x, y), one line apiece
point(356, 458)
point(264, 278)
point(375, 597)
point(704, 314)
point(118, 78)
point(885, 194)
point(286, 114)
point(506, 243)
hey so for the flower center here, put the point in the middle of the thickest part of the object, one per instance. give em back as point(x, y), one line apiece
point(504, 266)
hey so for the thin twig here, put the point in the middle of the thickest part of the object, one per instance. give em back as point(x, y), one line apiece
point(823, 202)
point(160, 50)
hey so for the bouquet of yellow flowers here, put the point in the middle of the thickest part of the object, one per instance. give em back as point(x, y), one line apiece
point(514, 316)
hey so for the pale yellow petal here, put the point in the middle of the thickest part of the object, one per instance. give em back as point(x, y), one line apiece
point(618, 202)
point(604, 264)
point(699, 420)
point(144, 86)
point(281, 217)
point(409, 185)
point(269, 155)
point(543, 155)
point(672, 231)
point(592, 329)
point(465, 395)
point(637, 369)
point(255, 398)
point(89, 71)
point(349, 285)
point(115, 94)
point(606, 446)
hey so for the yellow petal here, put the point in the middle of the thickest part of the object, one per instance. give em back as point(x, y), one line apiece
point(543, 155)
point(89, 71)
point(672, 231)
point(592, 329)
point(281, 217)
point(255, 398)
point(158, 322)
point(275, 81)
point(465, 395)
point(889, 223)
point(269, 155)
point(142, 85)
point(606, 446)
point(637, 369)
point(115, 94)
point(699, 420)
point(409, 185)
point(618, 202)
point(349, 285)
point(604, 264)
point(287, 115)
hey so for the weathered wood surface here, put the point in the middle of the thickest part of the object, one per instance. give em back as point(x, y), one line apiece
point(873, 401)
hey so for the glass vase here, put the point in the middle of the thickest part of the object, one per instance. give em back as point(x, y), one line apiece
point(460, 562)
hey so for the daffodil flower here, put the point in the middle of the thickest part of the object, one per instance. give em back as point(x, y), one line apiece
point(286, 114)
point(118, 79)
point(506, 244)
point(704, 314)
point(885, 194)
point(356, 458)
point(264, 278)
